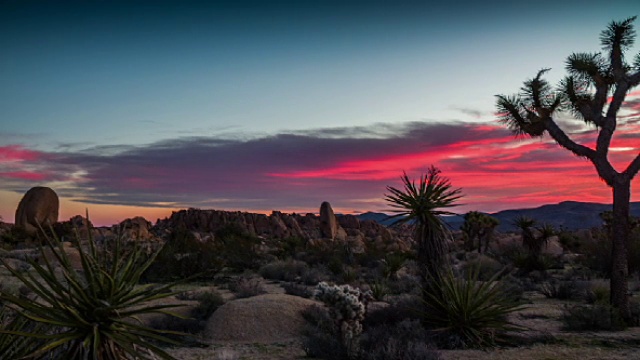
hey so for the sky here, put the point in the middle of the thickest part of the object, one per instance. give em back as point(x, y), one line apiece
point(130, 108)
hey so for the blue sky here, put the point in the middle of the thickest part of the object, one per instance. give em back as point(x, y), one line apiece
point(115, 78)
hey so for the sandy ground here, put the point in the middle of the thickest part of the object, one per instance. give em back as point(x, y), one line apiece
point(544, 336)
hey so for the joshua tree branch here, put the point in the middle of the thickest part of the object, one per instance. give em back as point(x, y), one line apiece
point(618, 98)
point(634, 80)
point(563, 140)
point(598, 102)
point(633, 168)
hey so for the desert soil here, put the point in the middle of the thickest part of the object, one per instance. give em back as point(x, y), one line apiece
point(543, 339)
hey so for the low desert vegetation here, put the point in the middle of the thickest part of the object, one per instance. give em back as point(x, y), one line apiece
point(86, 313)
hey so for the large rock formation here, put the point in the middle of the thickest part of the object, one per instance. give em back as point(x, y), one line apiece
point(260, 319)
point(328, 221)
point(38, 207)
point(137, 228)
point(348, 228)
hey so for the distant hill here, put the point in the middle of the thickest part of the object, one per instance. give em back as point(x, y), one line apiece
point(571, 215)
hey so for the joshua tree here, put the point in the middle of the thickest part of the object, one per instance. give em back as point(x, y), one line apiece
point(533, 238)
point(478, 226)
point(423, 204)
point(593, 90)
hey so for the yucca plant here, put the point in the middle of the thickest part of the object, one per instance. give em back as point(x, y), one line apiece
point(424, 203)
point(15, 346)
point(91, 313)
point(467, 312)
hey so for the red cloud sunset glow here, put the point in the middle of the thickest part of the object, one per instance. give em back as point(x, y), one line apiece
point(296, 172)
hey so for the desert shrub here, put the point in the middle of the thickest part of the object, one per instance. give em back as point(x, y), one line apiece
point(349, 275)
point(405, 284)
point(405, 340)
point(184, 256)
point(290, 247)
point(597, 293)
point(289, 270)
point(15, 235)
point(392, 263)
point(245, 287)
point(591, 318)
point(86, 309)
point(513, 287)
point(319, 339)
point(238, 248)
point(208, 303)
point(297, 290)
point(315, 274)
point(563, 289)
point(401, 308)
point(379, 290)
point(597, 253)
point(335, 265)
point(466, 312)
point(485, 266)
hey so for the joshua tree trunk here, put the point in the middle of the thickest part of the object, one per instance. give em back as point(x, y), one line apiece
point(620, 234)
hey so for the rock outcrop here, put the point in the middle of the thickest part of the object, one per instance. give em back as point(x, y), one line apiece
point(260, 319)
point(137, 228)
point(328, 221)
point(359, 235)
point(38, 207)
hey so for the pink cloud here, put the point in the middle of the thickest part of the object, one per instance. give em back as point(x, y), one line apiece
point(24, 175)
point(11, 153)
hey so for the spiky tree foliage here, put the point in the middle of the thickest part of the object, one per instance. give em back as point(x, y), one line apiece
point(478, 226)
point(92, 313)
point(423, 204)
point(534, 238)
point(594, 91)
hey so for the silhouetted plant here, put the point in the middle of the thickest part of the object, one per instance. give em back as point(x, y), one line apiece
point(392, 263)
point(424, 203)
point(208, 303)
point(563, 289)
point(289, 270)
point(478, 227)
point(405, 340)
point(238, 249)
point(467, 312)
point(245, 287)
point(592, 318)
point(13, 345)
point(90, 313)
point(534, 238)
point(184, 256)
point(593, 91)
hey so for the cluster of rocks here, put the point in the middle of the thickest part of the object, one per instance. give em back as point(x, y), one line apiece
point(40, 206)
point(327, 227)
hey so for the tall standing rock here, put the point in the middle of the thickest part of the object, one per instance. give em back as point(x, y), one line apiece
point(38, 207)
point(328, 221)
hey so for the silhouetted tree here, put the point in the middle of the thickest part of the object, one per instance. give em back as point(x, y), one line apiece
point(534, 238)
point(480, 227)
point(424, 204)
point(594, 90)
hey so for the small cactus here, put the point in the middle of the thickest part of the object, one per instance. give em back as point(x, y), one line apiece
point(347, 307)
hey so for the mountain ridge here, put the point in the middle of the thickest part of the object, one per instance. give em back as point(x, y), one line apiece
point(569, 214)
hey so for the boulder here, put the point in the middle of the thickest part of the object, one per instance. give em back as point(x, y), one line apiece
point(38, 207)
point(328, 221)
point(260, 319)
point(136, 228)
